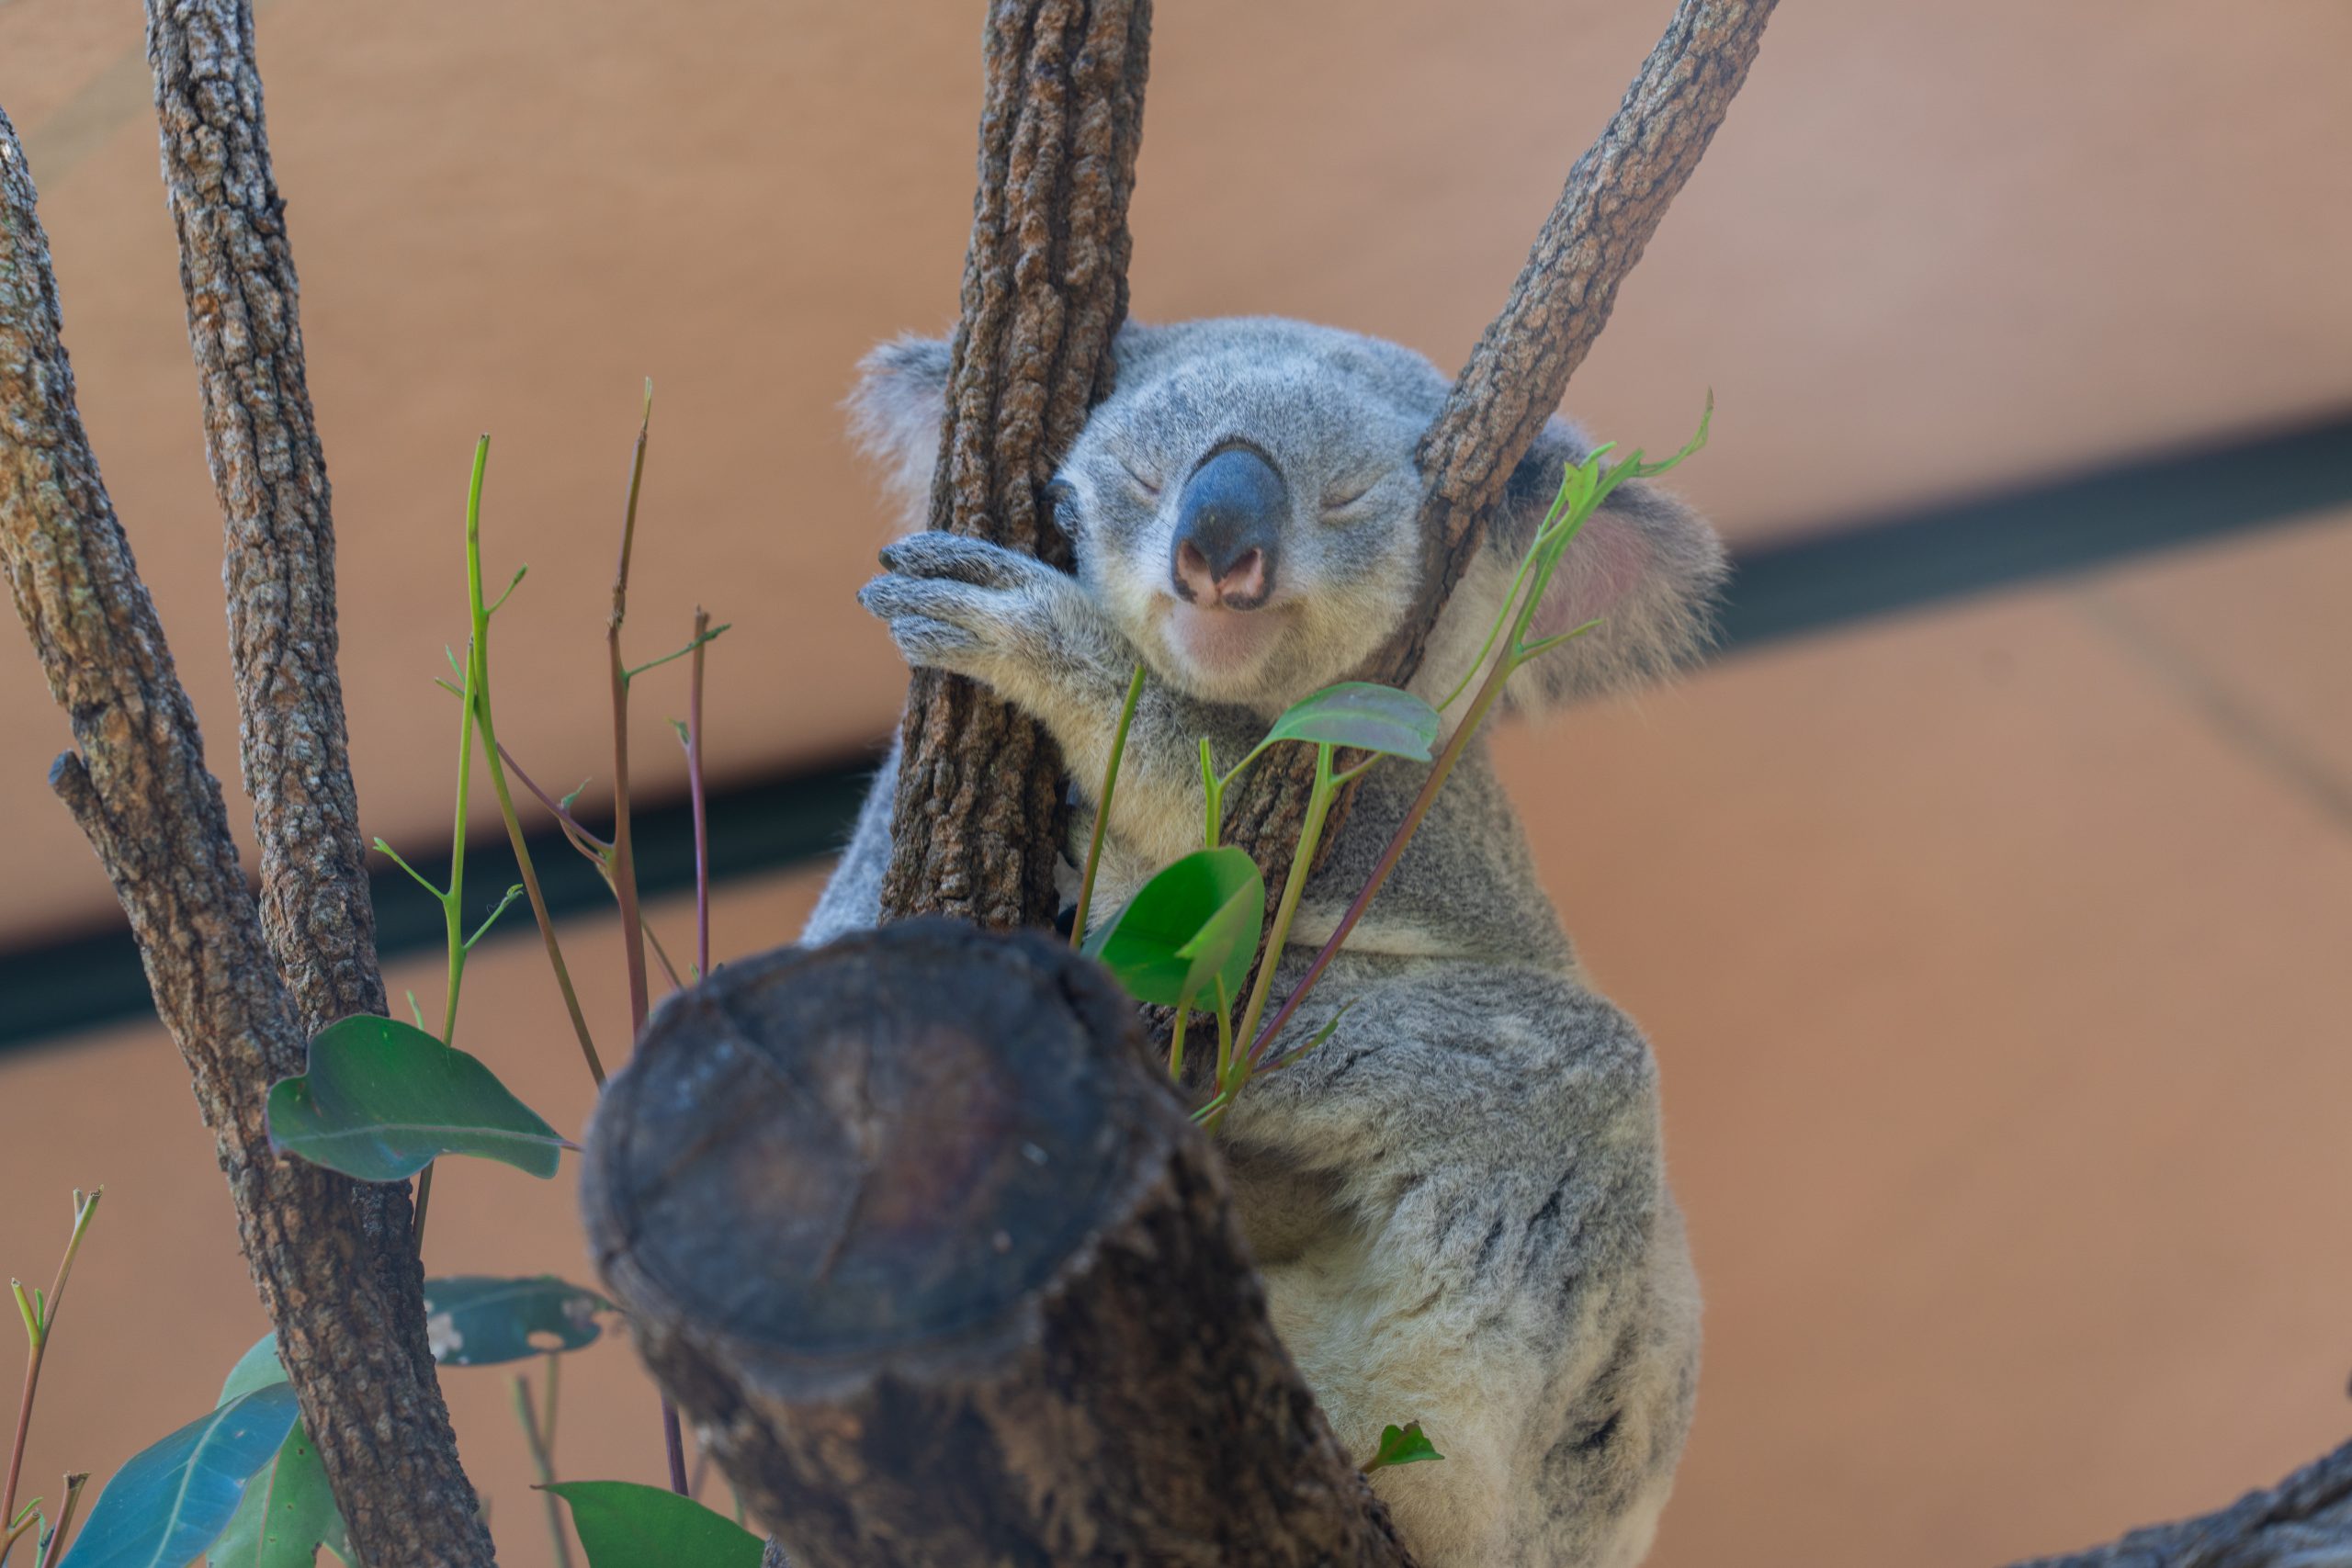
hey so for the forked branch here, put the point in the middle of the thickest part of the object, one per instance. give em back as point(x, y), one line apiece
point(138, 787)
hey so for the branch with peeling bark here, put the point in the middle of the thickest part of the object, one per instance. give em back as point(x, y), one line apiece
point(138, 786)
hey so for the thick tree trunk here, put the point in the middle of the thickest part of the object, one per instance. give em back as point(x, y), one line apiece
point(261, 440)
point(976, 828)
point(139, 789)
point(1613, 202)
point(913, 1229)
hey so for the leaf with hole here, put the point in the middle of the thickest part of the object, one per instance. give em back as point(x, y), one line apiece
point(171, 1501)
point(1402, 1445)
point(1365, 716)
point(1194, 923)
point(476, 1320)
point(383, 1099)
point(623, 1525)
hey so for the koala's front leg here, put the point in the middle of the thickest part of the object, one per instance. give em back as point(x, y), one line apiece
point(1032, 635)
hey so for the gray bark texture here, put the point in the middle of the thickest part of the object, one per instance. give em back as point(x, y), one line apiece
point(976, 828)
point(2305, 1521)
point(138, 787)
point(913, 1229)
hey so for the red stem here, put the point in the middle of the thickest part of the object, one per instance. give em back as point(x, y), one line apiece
point(16, 1452)
point(624, 856)
point(1439, 772)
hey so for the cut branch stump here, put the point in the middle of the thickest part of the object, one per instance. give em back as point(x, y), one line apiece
point(913, 1230)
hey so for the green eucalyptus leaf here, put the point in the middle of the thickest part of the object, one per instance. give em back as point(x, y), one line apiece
point(623, 1525)
point(478, 1321)
point(257, 1368)
point(1365, 716)
point(287, 1513)
point(170, 1501)
point(383, 1099)
point(1402, 1445)
point(1194, 923)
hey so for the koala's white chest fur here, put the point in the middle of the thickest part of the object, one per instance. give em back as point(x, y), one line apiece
point(1458, 1202)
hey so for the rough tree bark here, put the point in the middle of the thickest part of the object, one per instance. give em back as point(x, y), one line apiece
point(138, 787)
point(1615, 196)
point(945, 1275)
point(975, 833)
point(2305, 1521)
point(262, 442)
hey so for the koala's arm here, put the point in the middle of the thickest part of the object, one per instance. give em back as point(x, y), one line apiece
point(1032, 636)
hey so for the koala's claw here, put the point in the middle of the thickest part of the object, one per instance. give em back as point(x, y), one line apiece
point(952, 555)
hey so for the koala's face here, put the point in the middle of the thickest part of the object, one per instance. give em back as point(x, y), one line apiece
point(1245, 504)
point(1246, 509)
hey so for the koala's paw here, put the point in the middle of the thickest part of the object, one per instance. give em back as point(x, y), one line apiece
point(976, 609)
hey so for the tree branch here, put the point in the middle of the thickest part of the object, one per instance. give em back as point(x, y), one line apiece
point(2305, 1521)
point(140, 791)
point(912, 1227)
point(1613, 202)
point(269, 471)
point(979, 806)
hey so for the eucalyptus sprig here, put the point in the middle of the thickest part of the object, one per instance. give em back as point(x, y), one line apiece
point(38, 1310)
point(1176, 942)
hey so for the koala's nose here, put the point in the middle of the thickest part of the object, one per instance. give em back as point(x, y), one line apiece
point(1228, 531)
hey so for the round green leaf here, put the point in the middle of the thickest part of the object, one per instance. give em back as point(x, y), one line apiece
point(383, 1099)
point(1194, 923)
point(623, 1525)
point(172, 1500)
point(1366, 716)
point(478, 1321)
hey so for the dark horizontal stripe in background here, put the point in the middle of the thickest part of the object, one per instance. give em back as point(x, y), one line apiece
point(1809, 585)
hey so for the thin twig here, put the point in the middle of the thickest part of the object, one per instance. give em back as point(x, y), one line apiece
point(701, 805)
point(541, 1442)
point(40, 1316)
point(60, 1533)
point(624, 849)
point(494, 755)
point(624, 864)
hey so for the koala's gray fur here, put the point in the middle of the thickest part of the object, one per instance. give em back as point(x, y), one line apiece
point(1459, 1200)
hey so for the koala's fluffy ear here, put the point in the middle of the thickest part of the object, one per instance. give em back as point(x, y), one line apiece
point(896, 413)
point(1645, 566)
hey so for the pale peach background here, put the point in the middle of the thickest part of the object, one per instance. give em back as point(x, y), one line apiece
point(1993, 954)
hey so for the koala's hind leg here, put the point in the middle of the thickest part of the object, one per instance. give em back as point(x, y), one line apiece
point(1502, 1262)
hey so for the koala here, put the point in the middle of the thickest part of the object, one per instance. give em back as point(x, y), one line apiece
point(1459, 1200)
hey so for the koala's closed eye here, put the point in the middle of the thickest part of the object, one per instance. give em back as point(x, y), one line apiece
point(1347, 492)
point(1150, 486)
